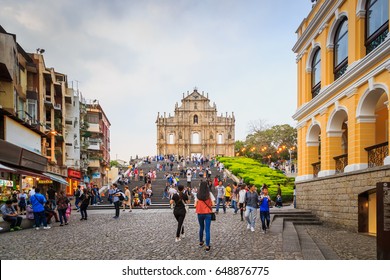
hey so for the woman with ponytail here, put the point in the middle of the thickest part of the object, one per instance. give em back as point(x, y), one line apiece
point(179, 199)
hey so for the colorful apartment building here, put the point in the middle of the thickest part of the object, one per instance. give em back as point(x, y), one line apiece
point(41, 122)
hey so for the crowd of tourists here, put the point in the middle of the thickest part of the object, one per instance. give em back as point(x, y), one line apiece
point(179, 190)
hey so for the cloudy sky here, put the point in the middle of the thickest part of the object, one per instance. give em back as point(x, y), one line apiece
point(137, 57)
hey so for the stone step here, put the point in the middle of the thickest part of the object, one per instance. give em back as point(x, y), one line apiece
point(300, 218)
point(307, 222)
point(309, 249)
point(290, 238)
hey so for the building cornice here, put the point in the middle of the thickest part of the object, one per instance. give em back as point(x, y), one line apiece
point(357, 69)
point(325, 12)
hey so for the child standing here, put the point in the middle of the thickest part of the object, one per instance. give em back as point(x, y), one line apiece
point(265, 201)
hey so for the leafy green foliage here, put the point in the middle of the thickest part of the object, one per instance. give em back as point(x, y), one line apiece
point(253, 172)
point(264, 143)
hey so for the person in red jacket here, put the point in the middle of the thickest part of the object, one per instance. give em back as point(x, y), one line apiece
point(203, 204)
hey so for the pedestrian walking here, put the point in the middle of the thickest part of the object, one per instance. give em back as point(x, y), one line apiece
point(241, 200)
point(221, 192)
point(115, 198)
point(77, 194)
point(62, 205)
point(179, 200)
point(84, 202)
point(128, 201)
point(228, 195)
point(265, 201)
point(235, 197)
point(52, 196)
point(251, 204)
point(203, 205)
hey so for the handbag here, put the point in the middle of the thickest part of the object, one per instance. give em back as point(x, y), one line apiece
point(213, 216)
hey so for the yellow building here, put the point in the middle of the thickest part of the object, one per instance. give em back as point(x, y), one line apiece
point(343, 59)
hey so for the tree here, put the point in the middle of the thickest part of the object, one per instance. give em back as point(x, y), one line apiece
point(257, 126)
point(238, 145)
point(114, 163)
point(268, 143)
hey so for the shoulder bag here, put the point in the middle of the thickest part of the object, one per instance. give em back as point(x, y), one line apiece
point(213, 216)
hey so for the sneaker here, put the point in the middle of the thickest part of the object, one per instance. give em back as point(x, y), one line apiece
point(61, 225)
point(177, 239)
point(47, 227)
point(252, 229)
point(201, 244)
point(18, 228)
point(11, 229)
point(82, 219)
point(183, 235)
point(115, 217)
point(66, 224)
point(248, 226)
point(207, 248)
point(265, 231)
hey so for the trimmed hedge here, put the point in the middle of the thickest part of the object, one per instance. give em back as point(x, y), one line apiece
point(253, 172)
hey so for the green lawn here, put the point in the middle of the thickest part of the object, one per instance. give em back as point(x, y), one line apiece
point(253, 172)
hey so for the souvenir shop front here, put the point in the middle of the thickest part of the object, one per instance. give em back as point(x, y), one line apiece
point(74, 179)
point(20, 169)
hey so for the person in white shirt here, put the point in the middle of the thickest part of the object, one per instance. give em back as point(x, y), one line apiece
point(31, 192)
point(189, 177)
point(171, 191)
point(241, 200)
point(220, 198)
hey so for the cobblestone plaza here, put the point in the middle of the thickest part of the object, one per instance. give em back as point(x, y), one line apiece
point(150, 234)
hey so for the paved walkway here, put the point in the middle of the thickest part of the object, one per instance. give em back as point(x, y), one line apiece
point(150, 234)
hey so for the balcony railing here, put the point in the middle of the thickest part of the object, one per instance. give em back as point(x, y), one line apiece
point(377, 154)
point(341, 163)
point(316, 168)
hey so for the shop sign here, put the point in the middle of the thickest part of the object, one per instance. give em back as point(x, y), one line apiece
point(74, 174)
point(44, 182)
point(96, 175)
point(6, 183)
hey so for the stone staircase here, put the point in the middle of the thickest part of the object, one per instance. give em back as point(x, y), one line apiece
point(292, 225)
point(158, 187)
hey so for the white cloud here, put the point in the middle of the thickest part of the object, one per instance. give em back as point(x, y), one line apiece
point(138, 57)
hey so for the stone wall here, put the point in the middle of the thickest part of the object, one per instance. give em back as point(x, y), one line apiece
point(334, 199)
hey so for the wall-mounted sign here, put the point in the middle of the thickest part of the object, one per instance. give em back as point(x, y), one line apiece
point(6, 183)
point(43, 182)
point(74, 173)
point(96, 175)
